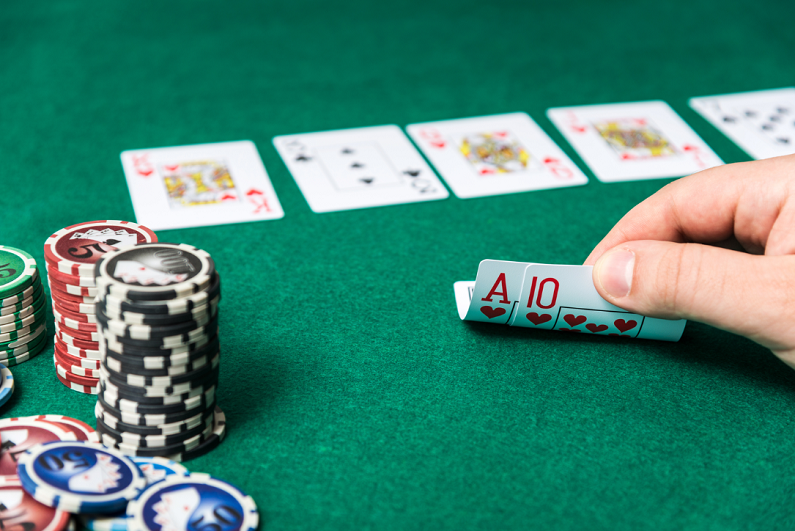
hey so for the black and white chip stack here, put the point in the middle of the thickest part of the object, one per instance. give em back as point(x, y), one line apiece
point(157, 313)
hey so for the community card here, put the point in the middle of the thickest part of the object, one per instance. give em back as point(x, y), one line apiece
point(199, 185)
point(358, 168)
point(494, 155)
point(633, 141)
point(552, 297)
point(762, 123)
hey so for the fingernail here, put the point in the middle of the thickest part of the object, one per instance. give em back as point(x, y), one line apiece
point(614, 271)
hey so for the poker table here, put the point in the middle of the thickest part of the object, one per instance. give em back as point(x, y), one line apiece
point(355, 397)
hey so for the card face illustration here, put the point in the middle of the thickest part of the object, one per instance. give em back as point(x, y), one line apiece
point(199, 185)
point(632, 141)
point(494, 155)
point(762, 123)
point(358, 168)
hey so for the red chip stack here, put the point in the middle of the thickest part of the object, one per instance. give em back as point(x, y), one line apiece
point(70, 255)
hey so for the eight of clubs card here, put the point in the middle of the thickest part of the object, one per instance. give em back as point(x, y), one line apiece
point(494, 155)
point(762, 123)
point(633, 141)
point(358, 168)
point(199, 185)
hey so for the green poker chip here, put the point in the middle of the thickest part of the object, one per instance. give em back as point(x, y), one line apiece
point(17, 271)
point(34, 334)
point(23, 355)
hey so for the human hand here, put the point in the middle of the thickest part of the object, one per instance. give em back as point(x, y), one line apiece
point(715, 247)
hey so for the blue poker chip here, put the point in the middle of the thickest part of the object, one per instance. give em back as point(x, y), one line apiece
point(80, 477)
point(6, 384)
point(192, 503)
point(154, 469)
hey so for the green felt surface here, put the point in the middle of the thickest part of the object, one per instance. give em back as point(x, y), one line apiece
point(354, 396)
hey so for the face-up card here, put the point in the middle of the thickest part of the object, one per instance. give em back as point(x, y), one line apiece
point(494, 155)
point(495, 293)
point(199, 185)
point(762, 123)
point(358, 168)
point(633, 141)
point(563, 297)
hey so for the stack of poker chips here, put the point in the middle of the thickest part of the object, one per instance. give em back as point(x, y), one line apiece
point(71, 255)
point(23, 328)
point(157, 311)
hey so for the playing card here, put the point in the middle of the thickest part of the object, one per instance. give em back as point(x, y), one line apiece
point(494, 155)
point(495, 293)
point(552, 297)
point(358, 168)
point(762, 123)
point(199, 185)
point(632, 141)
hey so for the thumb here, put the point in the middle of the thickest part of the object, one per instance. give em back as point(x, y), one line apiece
point(745, 294)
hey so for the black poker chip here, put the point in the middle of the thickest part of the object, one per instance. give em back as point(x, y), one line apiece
point(183, 423)
point(138, 394)
point(158, 319)
point(144, 332)
point(145, 366)
point(154, 272)
point(155, 392)
point(139, 380)
point(154, 414)
point(186, 339)
point(151, 440)
point(111, 342)
point(181, 446)
point(167, 307)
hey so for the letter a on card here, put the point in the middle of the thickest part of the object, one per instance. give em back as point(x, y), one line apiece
point(497, 288)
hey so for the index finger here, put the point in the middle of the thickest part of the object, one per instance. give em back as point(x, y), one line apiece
point(740, 201)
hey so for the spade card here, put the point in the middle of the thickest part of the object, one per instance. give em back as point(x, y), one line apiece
point(552, 297)
point(199, 185)
point(633, 141)
point(494, 155)
point(358, 168)
point(762, 123)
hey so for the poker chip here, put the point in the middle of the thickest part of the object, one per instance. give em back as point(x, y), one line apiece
point(195, 495)
point(145, 366)
point(14, 335)
point(25, 322)
point(85, 389)
point(152, 414)
point(72, 306)
point(155, 319)
point(24, 297)
point(71, 289)
point(71, 280)
point(67, 323)
point(63, 372)
point(80, 477)
point(201, 346)
point(26, 348)
point(13, 307)
point(69, 359)
point(19, 272)
point(27, 352)
point(147, 332)
point(82, 431)
point(19, 341)
point(19, 511)
point(20, 434)
point(154, 469)
point(75, 250)
point(111, 436)
point(69, 339)
point(76, 369)
point(23, 312)
point(6, 384)
point(183, 305)
point(143, 393)
point(88, 318)
point(78, 352)
point(114, 421)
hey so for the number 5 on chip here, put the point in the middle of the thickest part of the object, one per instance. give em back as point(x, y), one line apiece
point(552, 297)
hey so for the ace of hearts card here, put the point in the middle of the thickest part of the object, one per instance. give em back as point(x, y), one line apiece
point(633, 141)
point(494, 155)
point(762, 123)
point(358, 168)
point(199, 185)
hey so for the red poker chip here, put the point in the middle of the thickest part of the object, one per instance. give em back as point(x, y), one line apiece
point(80, 317)
point(63, 372)
point(76, 370)
point(75, 250)
point(79, 343)
point(68, 359)
point(62, 295)
point(21, 511)
point(70, 324)
point(25, 433)
point(72, 280)
point(92, 354)
point(73, 307)
point(77, 291)
point(77, 334)
point(82, 431)
point(85, 389)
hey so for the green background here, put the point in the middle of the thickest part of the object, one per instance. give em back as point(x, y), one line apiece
point(355, 398)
